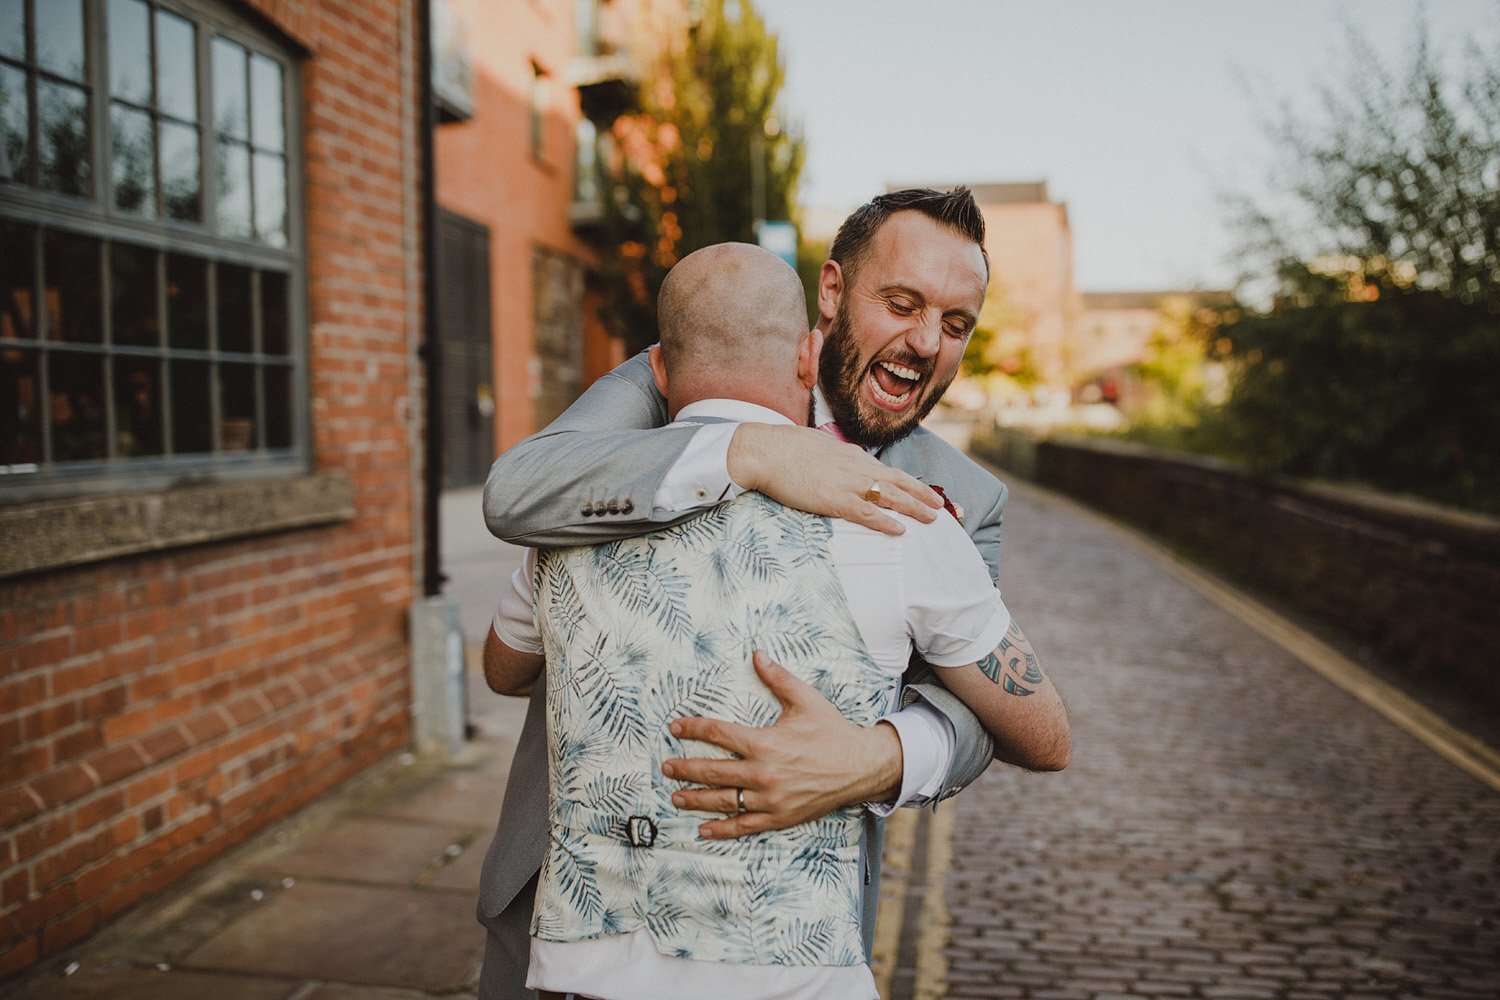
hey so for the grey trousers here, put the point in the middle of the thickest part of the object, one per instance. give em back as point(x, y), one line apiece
point(507, 950)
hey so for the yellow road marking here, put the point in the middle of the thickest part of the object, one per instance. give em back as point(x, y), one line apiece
point(932, 960)
point(895, 873)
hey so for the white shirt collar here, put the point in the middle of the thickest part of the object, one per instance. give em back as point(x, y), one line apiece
point(821, 413)
point(731, 409)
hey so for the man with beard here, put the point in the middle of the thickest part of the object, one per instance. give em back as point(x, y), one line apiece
point(898, 299)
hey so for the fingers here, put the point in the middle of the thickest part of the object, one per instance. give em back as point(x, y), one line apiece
point(788, 688)
point(910, 496)
point(730, 735)
point(866, 513)
point(718, 772)
point(741, 825)
point(710, 800)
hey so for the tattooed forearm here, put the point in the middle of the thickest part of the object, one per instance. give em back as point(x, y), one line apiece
point(1013, 664)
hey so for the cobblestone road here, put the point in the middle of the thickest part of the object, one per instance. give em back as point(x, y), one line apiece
point(1231, 825)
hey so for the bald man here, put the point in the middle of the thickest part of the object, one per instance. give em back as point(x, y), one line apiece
point(631, 901)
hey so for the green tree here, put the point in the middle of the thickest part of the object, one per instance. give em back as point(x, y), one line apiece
point(707, 157)
point(1377, 359)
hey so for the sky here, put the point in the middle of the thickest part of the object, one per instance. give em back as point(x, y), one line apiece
point(1139, 114)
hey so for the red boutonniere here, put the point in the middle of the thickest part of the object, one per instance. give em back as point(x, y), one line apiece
point(948, 505)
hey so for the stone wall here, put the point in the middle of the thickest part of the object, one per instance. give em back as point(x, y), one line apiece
point(1416, 582)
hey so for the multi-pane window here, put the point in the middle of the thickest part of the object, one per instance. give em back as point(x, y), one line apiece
point(150, 276)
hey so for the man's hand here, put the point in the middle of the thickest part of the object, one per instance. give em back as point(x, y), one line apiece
point(806, 765)
point(812, 471)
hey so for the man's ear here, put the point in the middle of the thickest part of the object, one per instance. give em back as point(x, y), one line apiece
point(808, 350)
point(658, 368)
point(830, 289)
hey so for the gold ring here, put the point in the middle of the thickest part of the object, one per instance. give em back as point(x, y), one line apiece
point(873, 493)
point(739, 798)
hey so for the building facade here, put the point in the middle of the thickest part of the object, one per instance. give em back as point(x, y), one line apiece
point(520, 192)
point(210, 431)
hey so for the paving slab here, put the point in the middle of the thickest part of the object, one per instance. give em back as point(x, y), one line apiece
point(465, 799)
point(153, 984)
point(462, 873)
point(354, 934)
point(363, 849)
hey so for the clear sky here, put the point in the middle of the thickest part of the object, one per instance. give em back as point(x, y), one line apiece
point(1136, 112)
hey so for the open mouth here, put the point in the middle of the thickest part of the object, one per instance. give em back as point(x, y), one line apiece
point(893, 385)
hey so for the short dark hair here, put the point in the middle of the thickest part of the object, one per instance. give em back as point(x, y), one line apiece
point(955, 209)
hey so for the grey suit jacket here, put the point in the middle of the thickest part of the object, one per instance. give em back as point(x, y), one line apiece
point(603, 453)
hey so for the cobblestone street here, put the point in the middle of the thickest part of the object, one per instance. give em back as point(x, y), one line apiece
point(1231, 825)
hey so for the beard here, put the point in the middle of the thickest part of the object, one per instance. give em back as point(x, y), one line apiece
point(841, 375)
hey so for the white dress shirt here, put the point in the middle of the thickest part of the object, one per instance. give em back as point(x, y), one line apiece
point(926, 589)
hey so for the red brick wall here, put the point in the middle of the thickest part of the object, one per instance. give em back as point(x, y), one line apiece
point(156, 710)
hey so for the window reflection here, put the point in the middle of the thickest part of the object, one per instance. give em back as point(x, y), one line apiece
point(130, 51)
point(187, 302)
point(231, 105)
point(132, 278)
point(13, 29)
point(234, 189)
point(132, 160)
point(278, 388)
point(70, 266)
point(265, 101)
point(20, 409)
point(17, 281)
point(138, 424)
point(270, 199)
point(192, 408)
point(237, 397)
point(75, 404)
point(180, 193)
point(15, 127)
point(176, 67)
point(59, 37)
point(234, 309)
point(273, 313)
point(63, 138)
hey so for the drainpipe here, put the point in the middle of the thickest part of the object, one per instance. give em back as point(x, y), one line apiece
point(439, 703)
point(432, 351)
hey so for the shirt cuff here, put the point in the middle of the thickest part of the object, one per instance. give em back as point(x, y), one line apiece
point(700, 476)
point(927, 743)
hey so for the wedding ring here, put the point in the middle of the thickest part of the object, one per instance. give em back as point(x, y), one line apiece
point(873, 493)
point(739, 798)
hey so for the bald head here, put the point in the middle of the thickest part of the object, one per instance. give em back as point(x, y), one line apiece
point(731, 318)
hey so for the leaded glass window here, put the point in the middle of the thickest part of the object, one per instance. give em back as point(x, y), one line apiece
point(151, 274)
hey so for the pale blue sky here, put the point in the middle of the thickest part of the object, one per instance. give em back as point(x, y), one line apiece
point(1134, 111)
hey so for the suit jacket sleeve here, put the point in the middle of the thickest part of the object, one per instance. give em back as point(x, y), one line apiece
point(609, 446)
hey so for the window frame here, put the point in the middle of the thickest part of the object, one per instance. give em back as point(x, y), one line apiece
point(97, 217)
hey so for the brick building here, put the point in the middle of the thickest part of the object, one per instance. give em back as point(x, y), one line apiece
point(520, 197)
point(210, 430)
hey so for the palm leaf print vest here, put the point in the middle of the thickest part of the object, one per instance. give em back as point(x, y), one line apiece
point(647, 630)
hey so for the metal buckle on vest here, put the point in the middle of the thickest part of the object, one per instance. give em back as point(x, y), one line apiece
point(640, 831)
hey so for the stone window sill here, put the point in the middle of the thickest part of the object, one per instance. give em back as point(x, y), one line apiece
point(51, 534)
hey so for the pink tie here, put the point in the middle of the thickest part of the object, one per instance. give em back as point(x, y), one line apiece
point(832, 430)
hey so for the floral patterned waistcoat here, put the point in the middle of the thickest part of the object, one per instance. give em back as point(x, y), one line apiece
point(647, 630)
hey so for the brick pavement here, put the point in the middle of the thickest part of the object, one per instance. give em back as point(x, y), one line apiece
point(1231, 825)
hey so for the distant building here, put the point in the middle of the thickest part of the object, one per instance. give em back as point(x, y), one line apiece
point(1114, 328)
point(520, 196)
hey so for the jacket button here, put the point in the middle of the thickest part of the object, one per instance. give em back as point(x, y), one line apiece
point(586, 510)
point(614, 506)
point(627, 506)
